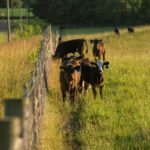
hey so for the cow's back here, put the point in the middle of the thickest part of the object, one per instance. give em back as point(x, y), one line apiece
point(71, 46)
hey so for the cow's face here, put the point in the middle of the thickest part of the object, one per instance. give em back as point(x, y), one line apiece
point(72, 76)
point(70, 72)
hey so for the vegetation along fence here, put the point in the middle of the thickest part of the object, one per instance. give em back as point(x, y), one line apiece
point(20, 127)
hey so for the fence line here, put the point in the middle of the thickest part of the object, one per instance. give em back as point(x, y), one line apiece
point(20, 127)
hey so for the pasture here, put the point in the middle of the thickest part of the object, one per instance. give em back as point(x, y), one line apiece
point(119, 121)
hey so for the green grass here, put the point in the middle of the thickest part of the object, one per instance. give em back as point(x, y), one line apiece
point(16, 12)
point(3, 37)
point(120, 121)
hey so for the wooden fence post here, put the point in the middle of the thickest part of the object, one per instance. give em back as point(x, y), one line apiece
point(14, 108)
point(10, 130)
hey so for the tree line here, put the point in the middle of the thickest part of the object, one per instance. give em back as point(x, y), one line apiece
point(91, 12)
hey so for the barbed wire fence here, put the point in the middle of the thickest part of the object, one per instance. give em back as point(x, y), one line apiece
point(20, 127)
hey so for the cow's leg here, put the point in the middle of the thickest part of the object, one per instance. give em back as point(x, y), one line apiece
point(81, 54)
point(100, 91)
point(95, 58)
point(63, 91)
point(64, 96)
point(80, 86)
point(72, 95)
point(80, 51)
point(86, 86)
point(94, 92)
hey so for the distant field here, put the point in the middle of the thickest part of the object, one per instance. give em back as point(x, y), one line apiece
point(16, 12)
point(121, 121)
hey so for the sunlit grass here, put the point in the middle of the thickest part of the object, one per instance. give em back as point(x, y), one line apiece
point(119, 121)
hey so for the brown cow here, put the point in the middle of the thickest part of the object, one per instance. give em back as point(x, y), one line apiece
point(70, 78)
point(101, 50)
point(98, 49)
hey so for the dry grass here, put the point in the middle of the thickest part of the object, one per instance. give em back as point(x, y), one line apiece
point(16, 64)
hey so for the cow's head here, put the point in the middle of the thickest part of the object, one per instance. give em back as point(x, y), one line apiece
point(70, 70)
point(95, 41)
point(100, 65)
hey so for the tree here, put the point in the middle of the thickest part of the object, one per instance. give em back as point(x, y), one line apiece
point(145, 11)
point(108, 12)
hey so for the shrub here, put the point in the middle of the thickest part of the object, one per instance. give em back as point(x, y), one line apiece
point(36, 26)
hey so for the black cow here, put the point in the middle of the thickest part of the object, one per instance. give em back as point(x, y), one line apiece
point(71, 46)
point(98, 49)
point(130, 30)
point(116, 31)
point(92, 75)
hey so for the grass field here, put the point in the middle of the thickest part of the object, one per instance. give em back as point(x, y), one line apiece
point(15, 11)
point(16, 63)
point(120, 121)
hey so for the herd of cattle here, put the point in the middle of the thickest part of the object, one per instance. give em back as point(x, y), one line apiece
point(116, 30)
point(77, 72)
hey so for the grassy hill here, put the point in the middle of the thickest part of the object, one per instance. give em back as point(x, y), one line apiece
point(121, 120)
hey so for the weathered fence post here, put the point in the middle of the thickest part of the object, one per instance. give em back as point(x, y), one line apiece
point(14, 108)
point(10, 130)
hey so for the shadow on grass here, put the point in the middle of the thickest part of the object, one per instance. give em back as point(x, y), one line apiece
point(73, 125)
point(139, 141)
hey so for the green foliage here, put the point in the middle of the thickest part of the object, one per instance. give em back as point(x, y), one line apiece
point(35, 27)
point(32, 57)
point(15, 12)
point(87, 12)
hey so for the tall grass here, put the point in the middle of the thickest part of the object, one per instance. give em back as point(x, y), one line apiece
point(16, 63)
point(119, 121)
